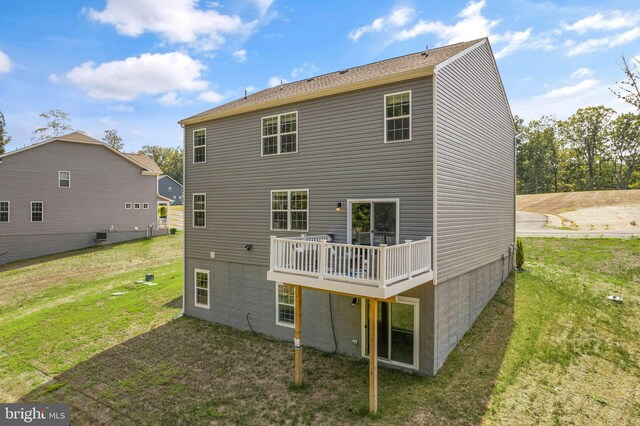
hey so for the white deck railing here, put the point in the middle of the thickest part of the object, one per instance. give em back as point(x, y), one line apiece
point(376, 266)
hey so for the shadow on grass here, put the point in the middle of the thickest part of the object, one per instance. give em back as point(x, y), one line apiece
point(175, 303)
point(193, 372)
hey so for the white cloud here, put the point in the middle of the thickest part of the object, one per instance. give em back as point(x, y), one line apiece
point(473, 24)
point(515, 40)
point(397, 18)
point(307, 69)
point(275, 81)
point(581, 72)
point(171, 99)
point(120, 108)
point(598, 44)
point(240, 55)
point(250, 89)
point(5, 63)
point(615, 20)
point(263, 5)
point(211, 97)
point(564, 101)
point(572, 90)
point(148, 74)
point(108, 121)
point(176, 21)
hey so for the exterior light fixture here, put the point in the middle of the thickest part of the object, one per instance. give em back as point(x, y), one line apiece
point(339, 207)
point(354, 302)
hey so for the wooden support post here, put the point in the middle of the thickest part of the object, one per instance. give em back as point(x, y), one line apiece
point(373, 356)
point(298, 334)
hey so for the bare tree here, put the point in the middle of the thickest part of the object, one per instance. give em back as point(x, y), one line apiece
point(629, 88)
point(58, 124)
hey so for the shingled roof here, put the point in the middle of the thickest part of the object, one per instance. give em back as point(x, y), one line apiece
point(147, 162)
point(345, 78)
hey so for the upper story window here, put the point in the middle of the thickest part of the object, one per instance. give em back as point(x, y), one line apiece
point(170, 189)
point(397, 117)
point(145, 206)
point(199, 210)
point(290, 210)
point(280, 134)
point(127, 206)
point(4, 211)
point(136, 206)
point(200, 146)
point(64, 179)
point(37, 211)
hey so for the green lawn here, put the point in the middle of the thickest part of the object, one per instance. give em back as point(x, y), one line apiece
point(549, 348)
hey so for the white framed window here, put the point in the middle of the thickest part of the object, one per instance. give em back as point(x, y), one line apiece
point(200, 146)
point(136, 206)
point(145, 206)
point(170, 189)
point(285, 305)
point(201, 288)
point(290, 210)
point(64, 179)
point(397, 117)
point(280, 134)
point(37, 211)
point(199, 211)
point(5, 211)
point(127, 206)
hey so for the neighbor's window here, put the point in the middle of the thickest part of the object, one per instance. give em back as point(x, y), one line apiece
point(4, 211)
point(285, 301)
point(201, 280)
point(64, 179)
point(127, 206)
point(145, 206)
point(280, 134)
point(397, 122)
point(290, 210)
point(37, 211)
point(136, 206)
point(199, 210)
point(200, 146)
point(170, 189)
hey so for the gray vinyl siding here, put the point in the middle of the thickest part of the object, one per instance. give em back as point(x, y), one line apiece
point(164, 183)
point(242, 297)
point(459, 301)
point(475, 182)
point(101, 183)
point(341, 155)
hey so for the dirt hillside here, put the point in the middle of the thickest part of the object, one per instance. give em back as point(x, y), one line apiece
point(570, 201)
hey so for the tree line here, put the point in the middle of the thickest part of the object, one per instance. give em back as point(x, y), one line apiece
point(593, 149)
point(58, 123)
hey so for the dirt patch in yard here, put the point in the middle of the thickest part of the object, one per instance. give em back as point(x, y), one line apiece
point(568, 201)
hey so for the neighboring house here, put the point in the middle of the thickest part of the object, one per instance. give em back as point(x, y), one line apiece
point(170, 188)
point(419, 147)
point(74, 191)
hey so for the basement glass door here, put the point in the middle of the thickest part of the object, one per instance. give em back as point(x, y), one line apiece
point(397, 335)
point(374, 222)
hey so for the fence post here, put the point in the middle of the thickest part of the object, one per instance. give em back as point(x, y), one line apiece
point(383, 264)
point(408, 260)
point(272, 250)
point(429, 253)
point(322, 259)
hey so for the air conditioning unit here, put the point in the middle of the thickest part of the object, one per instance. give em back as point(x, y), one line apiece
point(101, 237)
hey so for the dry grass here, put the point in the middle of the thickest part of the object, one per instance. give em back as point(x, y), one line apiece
point(569, 201)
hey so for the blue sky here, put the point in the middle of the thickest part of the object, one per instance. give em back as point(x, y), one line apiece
point(140, 66)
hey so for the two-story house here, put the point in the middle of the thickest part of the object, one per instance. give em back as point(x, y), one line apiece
point(170, 188)
point(380, 194)
point(71, 192)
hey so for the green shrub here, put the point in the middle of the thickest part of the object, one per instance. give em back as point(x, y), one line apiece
point(163, 212)
point(173, 231)
point(519, 254)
